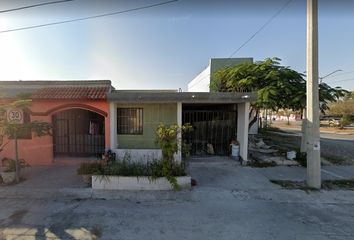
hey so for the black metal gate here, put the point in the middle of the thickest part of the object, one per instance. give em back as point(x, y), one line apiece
point(215, 125)
point(78, 133)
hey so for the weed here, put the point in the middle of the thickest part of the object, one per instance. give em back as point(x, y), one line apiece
point(259, 164)
point(294, 185)
point(338, 184)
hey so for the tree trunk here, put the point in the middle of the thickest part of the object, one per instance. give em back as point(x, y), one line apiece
point(255, 118)
point(17, 162)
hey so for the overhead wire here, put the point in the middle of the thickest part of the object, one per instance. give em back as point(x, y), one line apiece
point(34, 5)
point(340, 74)
point(261, 28)
point(342, 80)
point(254, 35)
point(89, 17)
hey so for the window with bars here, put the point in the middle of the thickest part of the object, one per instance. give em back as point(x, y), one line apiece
point(130, 121)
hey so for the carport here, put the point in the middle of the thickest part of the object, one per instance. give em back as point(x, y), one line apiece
point(216, 107)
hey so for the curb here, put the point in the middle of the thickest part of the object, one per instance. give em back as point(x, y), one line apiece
point(88, 193)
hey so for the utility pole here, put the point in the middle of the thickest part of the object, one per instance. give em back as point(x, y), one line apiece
point(312, 97)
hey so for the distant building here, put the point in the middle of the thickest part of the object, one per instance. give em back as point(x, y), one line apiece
point(201, 83)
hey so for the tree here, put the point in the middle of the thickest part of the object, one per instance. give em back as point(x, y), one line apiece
point(278, 87)
point(13, 130)
point(343, 108)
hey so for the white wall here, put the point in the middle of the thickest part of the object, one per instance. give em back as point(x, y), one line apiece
point(201, 82)
point(138, 155)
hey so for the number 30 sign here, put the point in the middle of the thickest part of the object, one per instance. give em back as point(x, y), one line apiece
point(14, 116)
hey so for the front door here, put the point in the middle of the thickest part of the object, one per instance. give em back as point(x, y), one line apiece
point(78, 133)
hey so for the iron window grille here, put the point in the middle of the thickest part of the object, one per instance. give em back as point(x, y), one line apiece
point(130, 121)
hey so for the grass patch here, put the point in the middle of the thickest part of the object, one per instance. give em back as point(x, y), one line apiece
point(272, 129)
point(326, 185)
point(262, 164)
point(338, 184)
point(301, 185)
point(336, 160)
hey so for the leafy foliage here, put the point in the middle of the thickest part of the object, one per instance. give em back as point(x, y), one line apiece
point(10, 164)
point(11, 130)
point(277, 87)
point(167, 139)
point(153, 169)
point(90, 168)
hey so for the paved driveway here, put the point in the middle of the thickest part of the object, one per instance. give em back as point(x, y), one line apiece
point(62, 174)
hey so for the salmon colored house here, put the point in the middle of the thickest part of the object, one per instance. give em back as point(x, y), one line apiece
point(77, 110)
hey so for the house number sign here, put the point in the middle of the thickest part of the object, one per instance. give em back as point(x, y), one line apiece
point(15, 116)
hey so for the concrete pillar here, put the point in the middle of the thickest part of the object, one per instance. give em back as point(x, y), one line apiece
point(178, 156)
point(113, 125)
point(242, 128)
point(303, 147)
point(313, 111)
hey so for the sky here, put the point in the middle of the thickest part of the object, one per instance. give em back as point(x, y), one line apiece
point(165, 47)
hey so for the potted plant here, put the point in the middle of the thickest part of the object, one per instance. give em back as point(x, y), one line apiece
point(87, 169)
point(9, 172)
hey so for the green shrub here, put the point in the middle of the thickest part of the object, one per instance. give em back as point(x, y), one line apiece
point(345, 121)
point(90, 168)
point(153, 169)
point(10, 164)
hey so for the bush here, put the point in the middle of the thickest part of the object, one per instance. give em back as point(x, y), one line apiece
point(90, 168)
point(10, 164)
point(153, 169)
point(344, 121)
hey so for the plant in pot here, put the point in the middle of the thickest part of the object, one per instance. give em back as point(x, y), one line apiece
point(9, 172)
point(87, 169)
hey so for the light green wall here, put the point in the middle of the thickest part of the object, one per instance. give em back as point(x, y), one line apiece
point(153, 114)
point(219, 63)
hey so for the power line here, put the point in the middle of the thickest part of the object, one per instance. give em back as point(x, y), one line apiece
point(35, 5)
point(89, 17)
point(343, 80)
point(340, 74)
point(261, 28)
point(253, 35)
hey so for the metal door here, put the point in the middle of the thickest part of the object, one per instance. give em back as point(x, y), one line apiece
point(78, 133)
point(215, 127)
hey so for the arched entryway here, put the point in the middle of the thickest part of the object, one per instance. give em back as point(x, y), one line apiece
point(78, 133)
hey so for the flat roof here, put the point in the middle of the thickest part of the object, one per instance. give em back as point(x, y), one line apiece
point(122, 96)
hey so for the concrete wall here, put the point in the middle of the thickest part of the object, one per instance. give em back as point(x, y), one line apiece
point(153, 115)
point(39, 150)
point(201, 83)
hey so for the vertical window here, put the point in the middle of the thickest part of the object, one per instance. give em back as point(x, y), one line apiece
point(130, 121)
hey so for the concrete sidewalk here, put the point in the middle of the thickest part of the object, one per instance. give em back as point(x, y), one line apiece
point(213, 174)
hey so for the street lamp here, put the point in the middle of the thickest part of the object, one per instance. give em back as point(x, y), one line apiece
point(329, 74)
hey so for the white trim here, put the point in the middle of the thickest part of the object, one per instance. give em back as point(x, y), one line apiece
point(139, 155)
point(113, 124)
point(178, 156)
point(137, 183)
